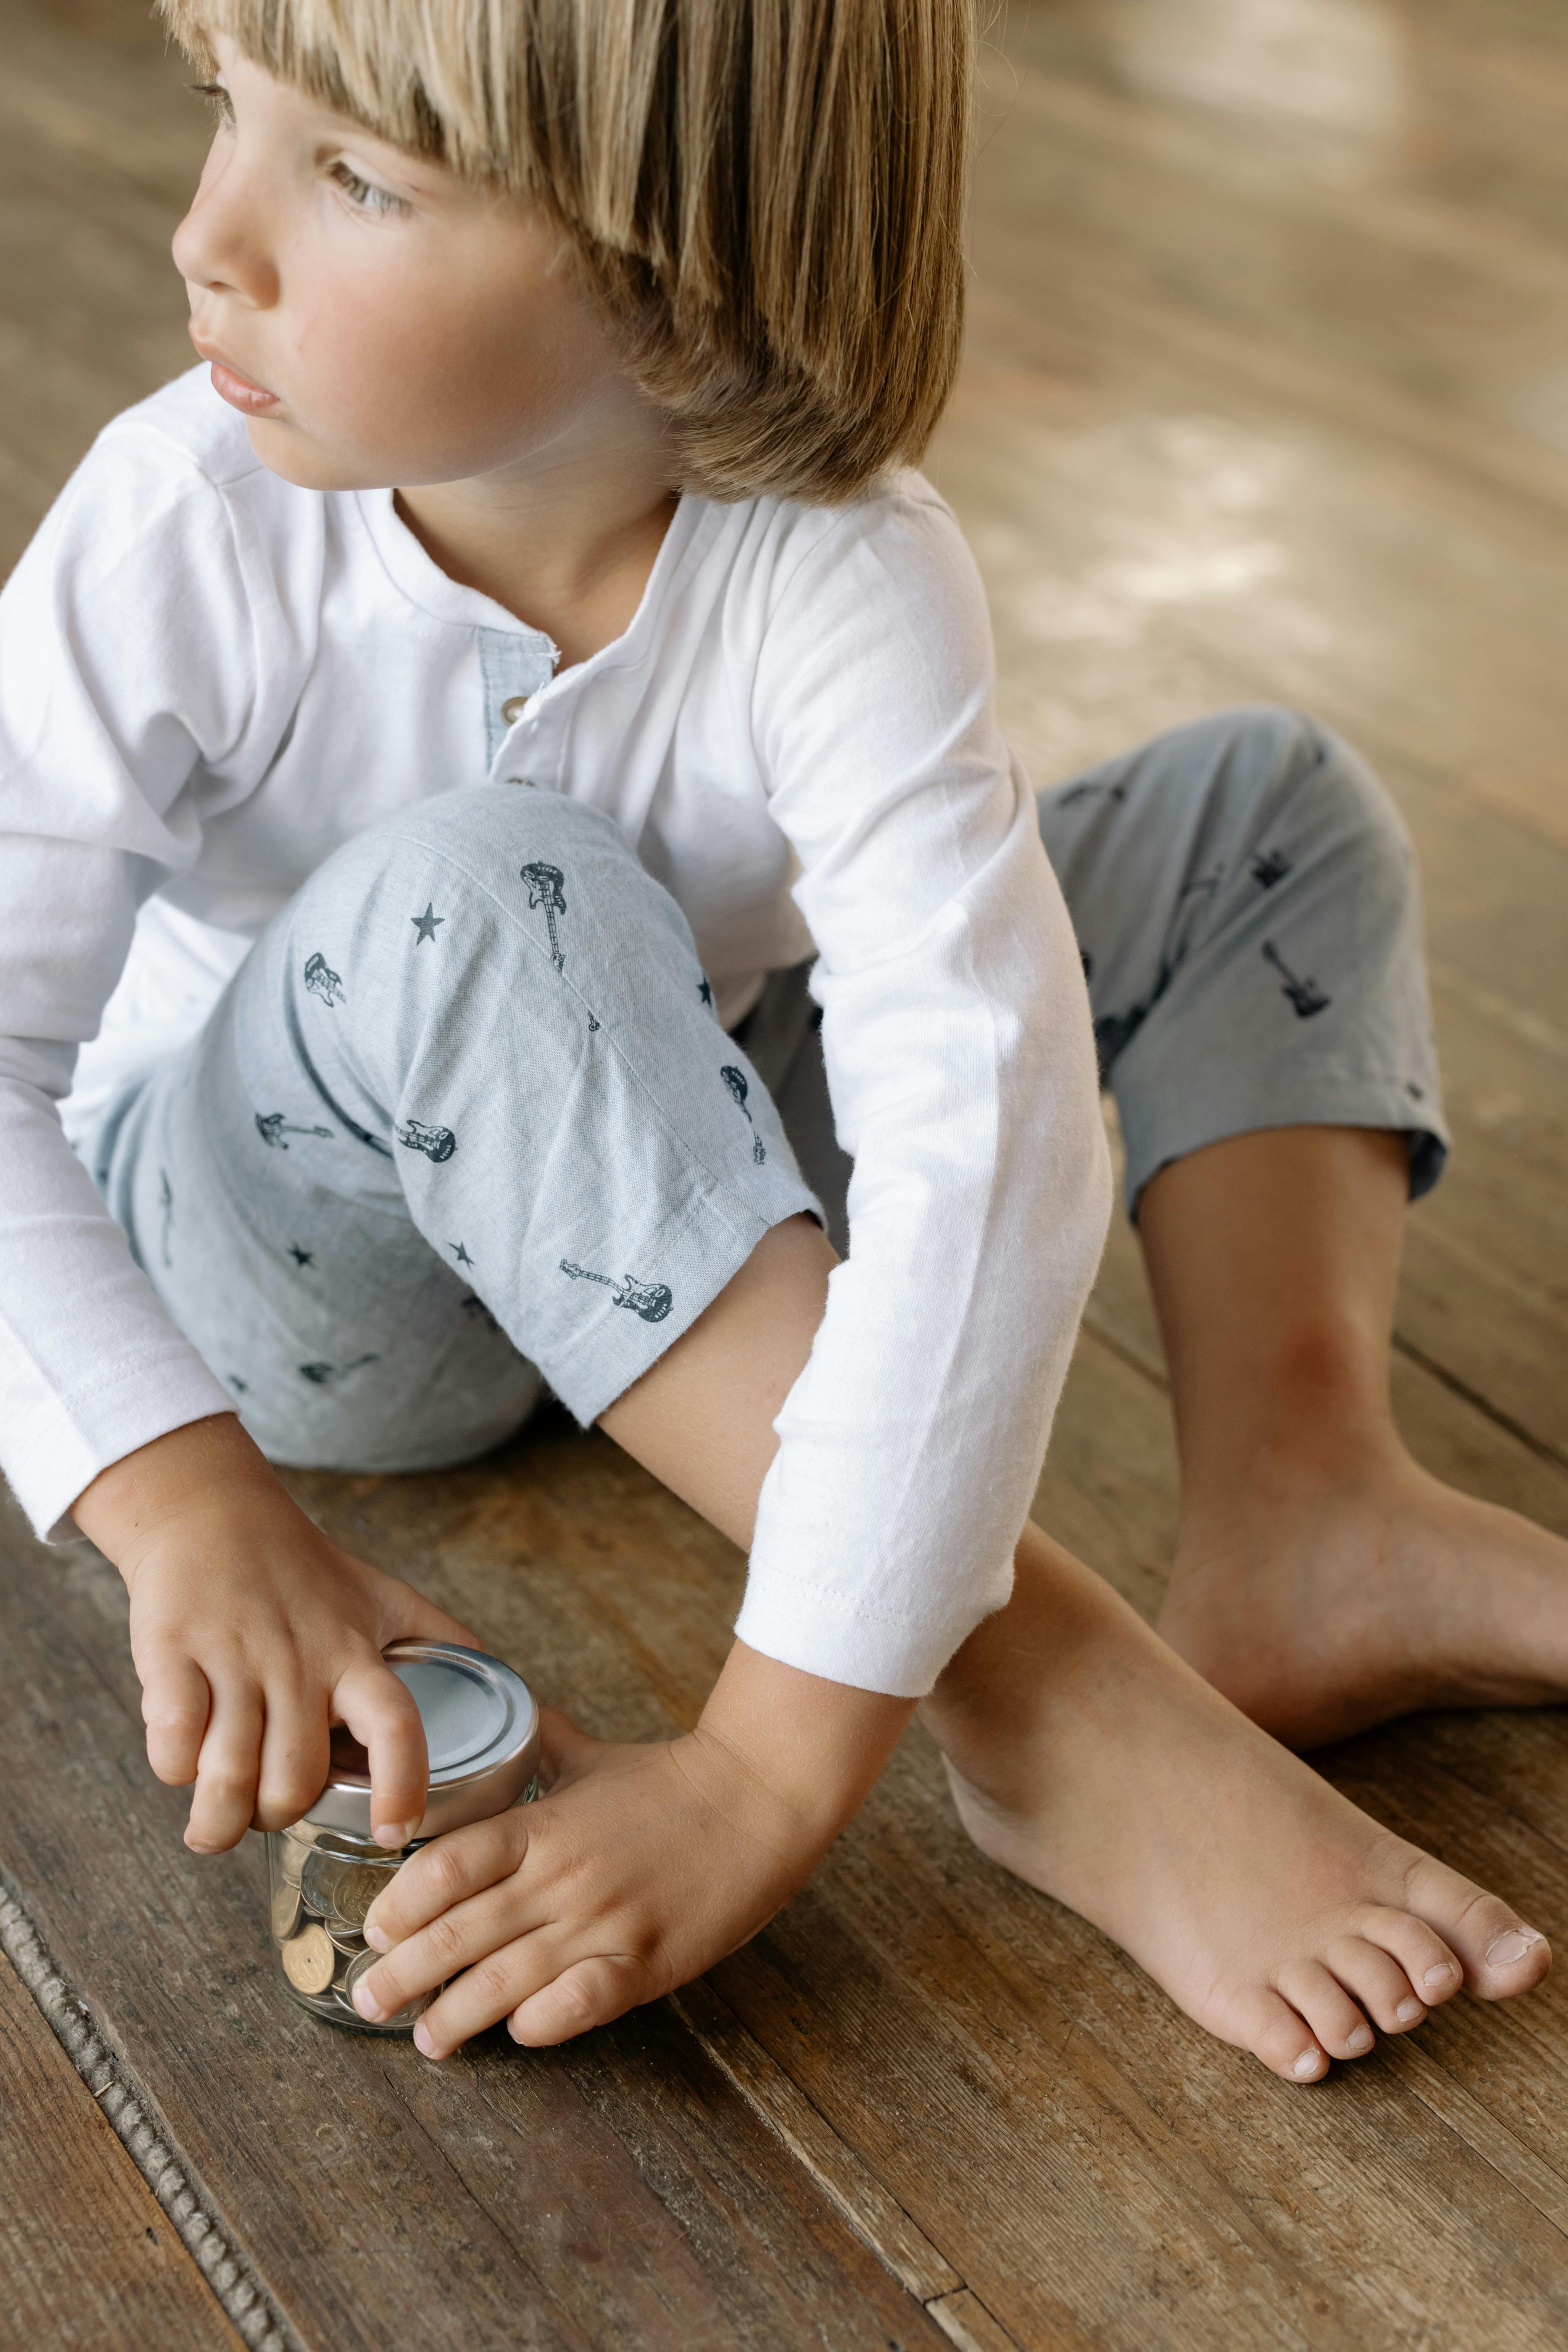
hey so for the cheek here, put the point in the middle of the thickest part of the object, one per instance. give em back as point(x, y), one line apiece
point(441, 384)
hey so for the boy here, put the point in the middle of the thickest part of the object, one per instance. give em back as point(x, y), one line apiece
point(647, 681)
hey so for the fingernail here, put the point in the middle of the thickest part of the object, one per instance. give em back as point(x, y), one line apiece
point(1358, 2039)
point(423, 2040)
point(367, 2004)
point(1511, 1947)
point(1409, 2010)
point(1443, 1973)
point(395, 1833)
point(377, 1938)
point(1307, 2064)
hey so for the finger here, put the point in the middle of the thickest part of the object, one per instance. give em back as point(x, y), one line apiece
point(588, 1993)
point(227, 1768)
point(175, 1706)
point(296, 1751)
point(444, 1874)
point(381, 1713)
point(461, 1938)
point(492, 1988)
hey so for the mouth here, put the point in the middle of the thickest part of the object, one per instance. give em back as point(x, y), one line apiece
point(250, 399)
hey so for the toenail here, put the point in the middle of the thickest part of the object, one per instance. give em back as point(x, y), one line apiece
point(1511, 1947)
point(1307, 2064)
point(1445, 1973)
point(1409, 2010)
point(1358, 2039)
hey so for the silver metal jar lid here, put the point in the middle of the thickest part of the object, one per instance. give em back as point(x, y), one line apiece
point(481, 1727)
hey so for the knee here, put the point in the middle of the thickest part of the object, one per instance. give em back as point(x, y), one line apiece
point(1305, 792)
point(1345, 815)
point(489, 824)
point(500, 871)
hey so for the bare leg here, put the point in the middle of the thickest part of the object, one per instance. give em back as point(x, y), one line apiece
point(1087, 1758)
point(1322, 1579)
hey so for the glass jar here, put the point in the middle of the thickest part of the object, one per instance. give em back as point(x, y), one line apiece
point(481, 1729)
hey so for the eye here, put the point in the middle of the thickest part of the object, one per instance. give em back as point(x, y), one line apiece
point(365, 195)
point(218, 99)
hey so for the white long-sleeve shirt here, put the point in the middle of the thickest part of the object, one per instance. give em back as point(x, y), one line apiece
point(209, 678)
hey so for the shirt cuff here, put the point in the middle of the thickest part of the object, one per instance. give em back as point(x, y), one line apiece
point(822, 1633)
point(57, 1451)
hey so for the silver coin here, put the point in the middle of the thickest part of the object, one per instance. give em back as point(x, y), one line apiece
point(296, 1843)
point(347, 1941)
point(404, 2020)
point(285, 1911)
point(308, 1960)
point(343, 1888)
point(354, 1889)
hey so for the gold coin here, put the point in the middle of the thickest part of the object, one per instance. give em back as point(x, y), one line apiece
point(308, 1960)
point(285, 1911)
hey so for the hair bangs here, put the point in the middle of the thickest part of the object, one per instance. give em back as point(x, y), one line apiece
point(767, 197)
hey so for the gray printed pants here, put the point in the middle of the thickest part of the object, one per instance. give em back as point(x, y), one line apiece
point(464, 1123)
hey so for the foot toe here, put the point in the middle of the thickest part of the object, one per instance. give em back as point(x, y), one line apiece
point(1328, 2008)
point(1501, 1954)
point(1266, 2025)
point(1376, 1979)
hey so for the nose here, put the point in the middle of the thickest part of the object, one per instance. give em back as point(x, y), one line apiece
point(222, 245)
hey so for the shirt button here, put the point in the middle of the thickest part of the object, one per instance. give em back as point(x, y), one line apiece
point(512, 708)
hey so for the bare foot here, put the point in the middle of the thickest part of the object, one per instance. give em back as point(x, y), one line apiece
point(1085, 1756)
point(1339, 1602)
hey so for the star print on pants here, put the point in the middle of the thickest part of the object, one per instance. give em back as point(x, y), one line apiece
point(424, 924)
point(459, 1253)
point(300, 1256)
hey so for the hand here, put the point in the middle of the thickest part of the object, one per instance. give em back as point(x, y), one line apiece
point(252, 1634)
point(642, 1867)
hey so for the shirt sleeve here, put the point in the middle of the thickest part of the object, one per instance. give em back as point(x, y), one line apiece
point(960, 1066)
point(127, 666)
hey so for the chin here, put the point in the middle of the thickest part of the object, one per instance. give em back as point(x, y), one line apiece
point(296, 456)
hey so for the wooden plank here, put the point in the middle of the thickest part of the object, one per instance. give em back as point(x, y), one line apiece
point(502, 2198)
point(87, 2257)
point(837, 2171)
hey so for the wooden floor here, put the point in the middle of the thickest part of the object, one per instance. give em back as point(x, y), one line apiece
point(1267, 397)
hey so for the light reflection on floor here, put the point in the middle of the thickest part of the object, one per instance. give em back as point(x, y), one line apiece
point(1329, 65)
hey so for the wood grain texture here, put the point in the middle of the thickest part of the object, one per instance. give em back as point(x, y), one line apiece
point(87, 2257)
point(1264, 399)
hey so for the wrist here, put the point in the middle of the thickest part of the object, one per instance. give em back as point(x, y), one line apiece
point(808, 1750)
point(129, 1502)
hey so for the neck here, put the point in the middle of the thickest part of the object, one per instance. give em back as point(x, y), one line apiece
point(564, 538)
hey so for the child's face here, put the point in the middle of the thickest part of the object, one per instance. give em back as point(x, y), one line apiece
point(378, 322)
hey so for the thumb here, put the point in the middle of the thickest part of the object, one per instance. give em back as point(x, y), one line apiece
point(565, 1751)
point(406, 1615)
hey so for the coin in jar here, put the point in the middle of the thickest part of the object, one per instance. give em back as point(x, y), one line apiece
point(362, 1967)
point(308, 1960)
point(285, 1911)
point(354, 1889)
point(294, 1845)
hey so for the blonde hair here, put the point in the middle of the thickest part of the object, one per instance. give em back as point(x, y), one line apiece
point(766, 197)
